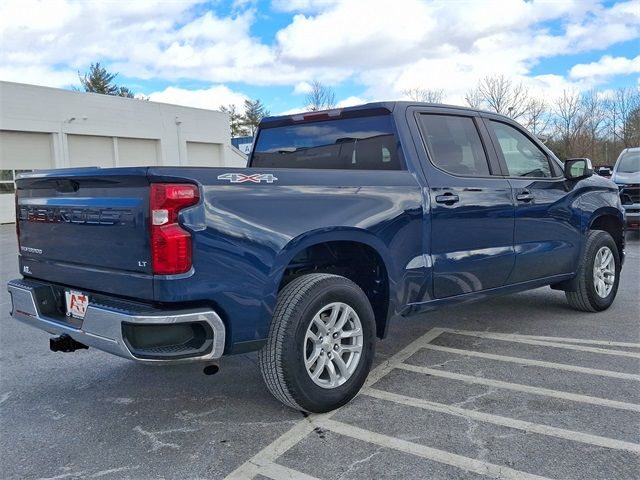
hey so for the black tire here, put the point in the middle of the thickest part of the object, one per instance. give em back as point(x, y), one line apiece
point(282, 359)
point(585, 297)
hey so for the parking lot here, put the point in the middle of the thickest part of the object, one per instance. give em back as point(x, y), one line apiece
point(515, 387)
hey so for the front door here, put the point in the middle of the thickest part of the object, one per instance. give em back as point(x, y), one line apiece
point(471, 207)
point(546, 237)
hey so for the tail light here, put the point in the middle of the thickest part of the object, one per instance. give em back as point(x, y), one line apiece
point(170, 244)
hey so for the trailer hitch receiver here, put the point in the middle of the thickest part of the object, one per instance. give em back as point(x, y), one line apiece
point(64, 343)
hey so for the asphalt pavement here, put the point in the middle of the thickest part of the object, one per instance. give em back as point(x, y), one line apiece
point(519, 386)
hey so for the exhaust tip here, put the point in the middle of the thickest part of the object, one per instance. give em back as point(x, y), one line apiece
point(211, 369)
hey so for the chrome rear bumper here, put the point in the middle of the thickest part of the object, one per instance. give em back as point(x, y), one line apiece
point(102, 327)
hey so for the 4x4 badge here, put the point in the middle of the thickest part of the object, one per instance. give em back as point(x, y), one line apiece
point(254, 178)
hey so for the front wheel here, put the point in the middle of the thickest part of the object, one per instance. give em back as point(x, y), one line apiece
point(598, 274)
point(321, 343)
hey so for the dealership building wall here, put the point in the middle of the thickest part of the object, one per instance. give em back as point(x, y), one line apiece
point(43, 128)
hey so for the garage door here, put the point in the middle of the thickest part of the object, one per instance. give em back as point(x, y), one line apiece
point(204, 154)
point(19, 152)
point(137, 152)
point(90, 150)
point(25, 150)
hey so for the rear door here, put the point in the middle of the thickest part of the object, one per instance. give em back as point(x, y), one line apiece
point(545, 239)
point(88, 228)
point(471, 209)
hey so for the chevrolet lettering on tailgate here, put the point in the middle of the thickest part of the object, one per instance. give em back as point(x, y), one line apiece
point(91, 216)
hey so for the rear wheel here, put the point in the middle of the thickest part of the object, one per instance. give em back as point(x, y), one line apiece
point(321, 343)
point(598, 274)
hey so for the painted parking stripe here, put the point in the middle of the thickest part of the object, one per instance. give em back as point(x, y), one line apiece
point(279, 472)
point(605, 402)
point(440, 456)
point(535, 363)
point(267, 456)
point(387, 366)
point(584, 341)
point(299, 431)
point(504, 421)
point(512, 338)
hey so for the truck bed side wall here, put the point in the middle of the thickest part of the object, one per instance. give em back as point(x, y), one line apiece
point(246, 234)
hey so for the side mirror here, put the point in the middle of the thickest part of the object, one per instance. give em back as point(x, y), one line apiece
point(576, 168)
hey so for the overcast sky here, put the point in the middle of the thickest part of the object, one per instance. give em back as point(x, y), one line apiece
point(206, 54)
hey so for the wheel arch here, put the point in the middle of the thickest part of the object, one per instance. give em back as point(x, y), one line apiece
point(376, 283)
point(607, 219)
point(611, 221)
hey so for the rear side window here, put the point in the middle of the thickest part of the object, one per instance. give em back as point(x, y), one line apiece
point(454, 144)
point(522, 156)
point(363, 143)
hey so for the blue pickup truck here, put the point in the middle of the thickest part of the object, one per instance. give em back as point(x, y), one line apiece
point(344, 221)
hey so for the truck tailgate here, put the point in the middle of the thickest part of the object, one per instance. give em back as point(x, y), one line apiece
point(87, 227)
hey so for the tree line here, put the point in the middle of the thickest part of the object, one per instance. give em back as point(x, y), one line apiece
point(595, 124)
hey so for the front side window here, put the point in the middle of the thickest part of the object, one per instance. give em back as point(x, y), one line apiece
point(361, 143)
point(522, 157)
point(454, 144)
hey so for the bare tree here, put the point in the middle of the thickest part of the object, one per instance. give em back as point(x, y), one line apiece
point(474, 98)
point(620, 110)
point(633, 127)
point(536, 117)
point(591, 124)
point(569, 123)
point(428, 95)
point(320, 97)
point(593, 111)
point(501, 95)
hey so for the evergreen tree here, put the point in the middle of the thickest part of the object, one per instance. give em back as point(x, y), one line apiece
point(99, 80)
point(236, 120)
point(254, 111)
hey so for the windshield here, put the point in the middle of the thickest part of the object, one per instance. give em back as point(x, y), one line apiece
point(629, 163)
point(363, 143)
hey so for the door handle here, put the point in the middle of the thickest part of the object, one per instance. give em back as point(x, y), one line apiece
point(448, 198)
point(525, 196)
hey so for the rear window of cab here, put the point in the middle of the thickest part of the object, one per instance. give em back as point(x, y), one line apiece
point(361, 143)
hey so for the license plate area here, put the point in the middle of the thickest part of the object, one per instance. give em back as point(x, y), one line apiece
point(76, 303)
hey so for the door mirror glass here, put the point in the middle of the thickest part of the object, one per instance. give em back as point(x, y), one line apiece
point(576, 168)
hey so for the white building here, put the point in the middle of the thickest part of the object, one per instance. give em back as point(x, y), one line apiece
point(44, 127)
